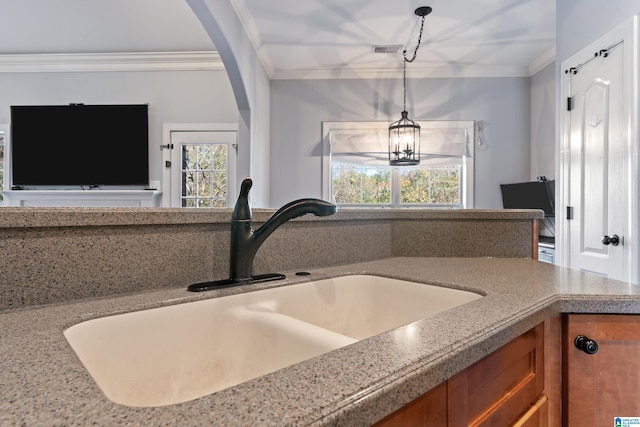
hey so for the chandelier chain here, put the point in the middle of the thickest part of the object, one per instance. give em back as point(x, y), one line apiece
point(404, 135)
point(415, 52)
point(404, 65)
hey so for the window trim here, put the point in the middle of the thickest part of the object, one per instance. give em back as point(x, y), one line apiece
point(468, 159)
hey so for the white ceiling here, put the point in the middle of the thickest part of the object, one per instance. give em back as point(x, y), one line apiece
point(303, 38)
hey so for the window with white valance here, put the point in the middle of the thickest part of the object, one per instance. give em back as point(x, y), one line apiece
point(356, 161)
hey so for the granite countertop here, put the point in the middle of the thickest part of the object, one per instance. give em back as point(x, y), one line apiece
point(44, 383)
point(34, 217)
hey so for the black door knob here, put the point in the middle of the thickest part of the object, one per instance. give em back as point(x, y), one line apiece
point(613, 240)
point(585, 344)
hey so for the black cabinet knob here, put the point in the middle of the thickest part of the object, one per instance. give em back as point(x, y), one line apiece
point(585, 344)
point(611, 240)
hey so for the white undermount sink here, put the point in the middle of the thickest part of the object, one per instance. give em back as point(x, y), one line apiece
point(174, 354)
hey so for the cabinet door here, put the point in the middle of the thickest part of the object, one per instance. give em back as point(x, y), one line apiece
point(499, 388)
point(606, 384)
point(429, 410)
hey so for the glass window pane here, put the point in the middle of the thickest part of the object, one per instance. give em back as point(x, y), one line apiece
point(446, 185)
point(188, 184)
point(360, 184)
point(188, 157)
point(204, 184)
point(220, 157)
point(219, 189)
point(376, 185)
point(205, 160)
point(436, 185)
point(415, 186)
point(204, 176)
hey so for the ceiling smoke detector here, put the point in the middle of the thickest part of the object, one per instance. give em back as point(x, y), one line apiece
point(394, 48)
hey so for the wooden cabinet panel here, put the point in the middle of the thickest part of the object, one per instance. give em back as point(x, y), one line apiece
point(430, 409)
point(500, 387)
point(604, 385)
point(505, 388)
point(553, 369)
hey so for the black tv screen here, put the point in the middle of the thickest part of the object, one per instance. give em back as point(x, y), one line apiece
point(79, 145)
point(530, 195)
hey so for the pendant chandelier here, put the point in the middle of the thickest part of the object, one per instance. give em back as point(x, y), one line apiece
point(404, 135)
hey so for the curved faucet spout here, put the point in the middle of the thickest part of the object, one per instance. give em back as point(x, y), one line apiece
point(245, 241)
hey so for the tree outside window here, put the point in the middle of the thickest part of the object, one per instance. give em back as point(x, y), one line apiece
point(204, 175)
point(431, 185)
point(418, 186)
point(352, 184)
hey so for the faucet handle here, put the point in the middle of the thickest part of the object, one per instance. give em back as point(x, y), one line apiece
point(242, 210)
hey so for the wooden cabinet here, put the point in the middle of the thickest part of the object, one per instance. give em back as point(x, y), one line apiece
point(536, 416)
point(504, 388)
point(606, 384)
point(496, 390)
point(430, 409)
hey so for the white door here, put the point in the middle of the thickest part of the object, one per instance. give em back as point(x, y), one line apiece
point(598, 161)
point(200, 168)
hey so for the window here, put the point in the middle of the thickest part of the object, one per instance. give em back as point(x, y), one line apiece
point(199, 165)
point(204, 175)
point(357, 172)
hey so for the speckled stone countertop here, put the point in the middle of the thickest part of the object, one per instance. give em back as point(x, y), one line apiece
point(43, 383)
point(19, 217)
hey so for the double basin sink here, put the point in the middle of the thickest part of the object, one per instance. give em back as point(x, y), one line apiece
point(178, 353)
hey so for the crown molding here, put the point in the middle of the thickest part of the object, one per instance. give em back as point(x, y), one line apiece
point(128, 61)
point(415, 72)
point(210, 61)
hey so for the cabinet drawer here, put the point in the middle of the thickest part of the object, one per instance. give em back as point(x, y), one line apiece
point(499, 388)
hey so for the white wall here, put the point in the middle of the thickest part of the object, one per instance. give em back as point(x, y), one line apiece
point(578, 23)
point(173, 97)
point(298, 107)
point(250, 84)
point(543, 122)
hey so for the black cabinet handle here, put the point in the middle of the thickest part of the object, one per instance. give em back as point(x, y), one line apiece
point(585, 344)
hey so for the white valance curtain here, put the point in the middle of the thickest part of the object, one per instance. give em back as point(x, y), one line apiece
point(441, 143)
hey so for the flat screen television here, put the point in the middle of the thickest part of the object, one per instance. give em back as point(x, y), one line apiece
point(79, 146)
point(530, 195)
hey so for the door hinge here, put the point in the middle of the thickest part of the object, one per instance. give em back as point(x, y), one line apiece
point(167, 164)
point(569, 104)
point(569, 212)
point(166, 146)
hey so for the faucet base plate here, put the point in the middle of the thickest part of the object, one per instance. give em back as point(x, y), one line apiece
point(228, 283)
